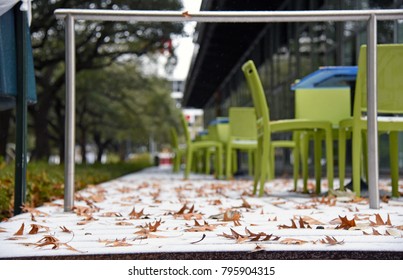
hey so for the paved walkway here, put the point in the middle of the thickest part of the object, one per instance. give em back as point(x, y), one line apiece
point(155, 213)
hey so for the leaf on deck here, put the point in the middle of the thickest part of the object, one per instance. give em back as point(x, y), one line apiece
point(293, 241)
point(201, 228)
point(136, 215)
point(231, 216)
point(111, 214)
point(64, 229)
point(35, 228)
point(330, 240)
point(379, 221)
point(346, 223)
point(20, 231)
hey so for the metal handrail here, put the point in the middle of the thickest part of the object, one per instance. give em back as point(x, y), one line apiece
point(371, 16)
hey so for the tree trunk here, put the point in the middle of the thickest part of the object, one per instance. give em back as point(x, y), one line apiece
point(42, 148)
point(5, 117)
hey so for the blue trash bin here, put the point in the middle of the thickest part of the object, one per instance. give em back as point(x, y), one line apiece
point(8, 64)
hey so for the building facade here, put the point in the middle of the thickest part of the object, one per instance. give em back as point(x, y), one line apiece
point(283, 52)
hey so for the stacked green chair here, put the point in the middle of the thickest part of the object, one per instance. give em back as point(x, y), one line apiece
point(193, 147)
point(242, 136)
point(390, 104)
point(330, 104)
point(266, 127)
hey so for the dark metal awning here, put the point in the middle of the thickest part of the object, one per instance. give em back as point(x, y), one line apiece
point(220, 47)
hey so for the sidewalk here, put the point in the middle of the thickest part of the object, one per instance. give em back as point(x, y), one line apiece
point(156, 214)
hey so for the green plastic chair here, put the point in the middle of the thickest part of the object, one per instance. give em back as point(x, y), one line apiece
point(318, 104)
point(266, 128)
point(177, 150)
point(242, 136)
point(390, 105)
point(193, 147)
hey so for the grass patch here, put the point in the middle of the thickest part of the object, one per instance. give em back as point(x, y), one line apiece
point(45, 182)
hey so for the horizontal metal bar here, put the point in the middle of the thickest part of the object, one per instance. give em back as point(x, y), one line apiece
point(239, 16)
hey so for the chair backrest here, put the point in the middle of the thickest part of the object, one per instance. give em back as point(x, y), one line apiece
point(242, 123)
point(174, 138)
point(218, 130)
point(323, 104)
point(259, 99)
point(389, 82)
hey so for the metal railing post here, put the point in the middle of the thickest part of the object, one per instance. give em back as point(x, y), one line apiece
point(70, 115)
point(373, 172)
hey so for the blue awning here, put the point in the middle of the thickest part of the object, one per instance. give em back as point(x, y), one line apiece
point(8, 63)
point(329, 76)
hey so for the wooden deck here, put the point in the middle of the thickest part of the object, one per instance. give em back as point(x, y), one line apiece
point(155, 214)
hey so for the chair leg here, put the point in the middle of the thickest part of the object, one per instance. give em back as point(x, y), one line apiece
point(304, 159)
point(317, 158)
point(394, 161)
point(356, 155)
point(296, 156)
point(329, 157)
point(272, 165)
point(264, 168)
point(258, 166)
point(219, 159)
point(228, 162)
point(189, 155)
point(342, 157)
point(364, 146)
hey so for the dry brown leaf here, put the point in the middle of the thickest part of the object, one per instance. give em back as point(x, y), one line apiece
point(136, 215)
point(293, 225)
point(330, 240)
point(64, 229)
point(201, 228)
point(258, 248)
point(345, 223)
point(379, 221)
point(293, 241)
point(21, 230)
point(34, 211)
point(111, 214)
point(118, 243)
point(231, 216)
point(272, 220)
point(311, 221)
point(123, 223)
point(35, 228)
point(86, 220)
point(2, 229)
point(16, 238)
point(33, 218)
point(399, 227)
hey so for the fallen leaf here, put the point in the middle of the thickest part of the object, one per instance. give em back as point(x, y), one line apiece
point(293, 225)
point(34, 211)
point(379, 221)
point(136, 215)
point(330, 240)
point(20, 231)
point(201, 228)
point(33, 218)
point(204, 236)
point(123, 223)
point(258, 248)
point(2, 230)
point(86, 220)
point(111, 214)
point(35, 228)
point(345, 223)
point(231, 216)
point(293, 241)
point(64, 229)
point(393, 232)
point(118, 243)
